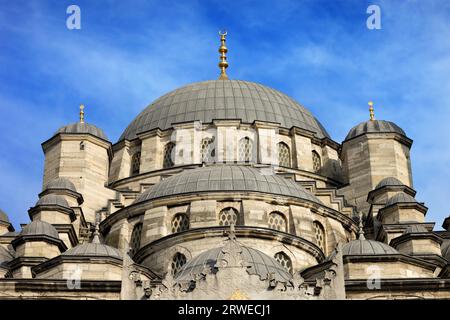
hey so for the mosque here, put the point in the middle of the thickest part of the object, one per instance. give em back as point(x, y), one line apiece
point(226, 189)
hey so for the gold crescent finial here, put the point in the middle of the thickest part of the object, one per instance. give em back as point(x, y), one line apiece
point(372, 114)
point(81, 113)
point(223, 64)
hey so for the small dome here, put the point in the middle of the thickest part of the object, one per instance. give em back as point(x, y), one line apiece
point(51, 200)
point(389, 181)
point(3, 216)
point(93, 250)
point(5, 255)
point(80, 128)
point(366, 247)
point(259, 263)
point(415, 228)
point(225, 178)
point(374, 126)
point(60, 183)
point(40, 228)
point(400, 198)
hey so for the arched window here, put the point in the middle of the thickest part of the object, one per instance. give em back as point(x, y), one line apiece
point(245, 150)
point(168, 150)
point(284, 155)
point(178, 261)
point(135, 163)
point(317, 164)
point(319, 232)
point(135, 241)
point(277, 221)
point(284, 260)
point(227, 216)
point(208, 152)
point(82, 145)
point(180, 223)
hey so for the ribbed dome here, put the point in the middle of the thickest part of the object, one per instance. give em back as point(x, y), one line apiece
point(400, 198)
point(93, 250)
point(60, 183)
point(375, 126)
point(52, 199)
point(79, 128)
point(3, 216)
point(223, 99)
point(260, 264)
point(40, 228)
point(390, 181)
point(225, 178)
point(366, 247)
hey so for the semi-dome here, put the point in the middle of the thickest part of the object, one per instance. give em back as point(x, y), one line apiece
point(52, 200)
point(39, 228)
point(3, 217)
point(400, 197)
point(225, 178)
point(363, 247)
point(93, 250)
point(223, 99)
point(389, 181)
point(374, 126)
point(61, 183)
point(83, 128)
point(259, 264)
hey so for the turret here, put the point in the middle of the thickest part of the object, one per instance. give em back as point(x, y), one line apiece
point(374, 150)
point(81, 153)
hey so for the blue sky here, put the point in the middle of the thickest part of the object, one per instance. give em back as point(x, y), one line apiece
point(128, 53)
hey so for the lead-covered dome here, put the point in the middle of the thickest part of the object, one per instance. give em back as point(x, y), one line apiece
point(83, 128)
point(223, 99)
point(259, 264)
point(60, 183)
point(362, 247)
point(225, 178)
point(93, 250)
point(374, 126)
point(39, 228)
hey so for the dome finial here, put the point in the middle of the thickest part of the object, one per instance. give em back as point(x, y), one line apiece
point(372, 114)
point(223, 64)
point(81, 113)
point(361, 228)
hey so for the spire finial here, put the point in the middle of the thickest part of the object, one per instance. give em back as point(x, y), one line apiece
point(223, 64)
point(372, 114)
point(81, 113)
point(96, 238)
point(361, 228)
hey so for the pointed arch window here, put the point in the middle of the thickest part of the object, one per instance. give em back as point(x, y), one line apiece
point(208, 152)
point(277, 221)
point(319, 232)
point(180, 222)
point(317, 163)
point(178, 261)
point(227, 216)
point(284, 260)
point(284, 155)
point(135, 241)
point(168, 158)
point(245, 150)
point(135, 163)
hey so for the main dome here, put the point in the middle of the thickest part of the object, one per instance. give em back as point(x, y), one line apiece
point(223, 99)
